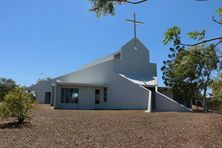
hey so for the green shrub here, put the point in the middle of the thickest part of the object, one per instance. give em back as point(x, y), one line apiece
point(17, 103)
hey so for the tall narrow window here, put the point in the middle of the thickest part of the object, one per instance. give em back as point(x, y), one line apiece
point(67, 95)
point(71, 95)
point(63, 95)
point(76, 95)
point(105, 95)
point(97, 96)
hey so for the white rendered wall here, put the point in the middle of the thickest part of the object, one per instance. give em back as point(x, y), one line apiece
point(122, 93)
point(164, 103)
point(135, 61)
point(86, 98)
point(40, 89)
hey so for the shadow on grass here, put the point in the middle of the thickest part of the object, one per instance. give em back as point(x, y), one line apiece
point(14, 125)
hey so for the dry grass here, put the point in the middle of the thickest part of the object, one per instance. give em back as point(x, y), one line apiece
point(68, 128)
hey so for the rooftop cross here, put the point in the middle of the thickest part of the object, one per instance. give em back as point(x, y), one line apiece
point(134, 21)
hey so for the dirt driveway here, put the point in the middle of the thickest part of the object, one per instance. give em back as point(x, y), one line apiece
point(68, 128)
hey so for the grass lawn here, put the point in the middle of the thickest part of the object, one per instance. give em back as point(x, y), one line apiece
point(68, 128)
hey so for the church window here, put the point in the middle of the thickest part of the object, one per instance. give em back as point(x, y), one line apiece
point(105, 94)
point(97, 96)
point(70, 95)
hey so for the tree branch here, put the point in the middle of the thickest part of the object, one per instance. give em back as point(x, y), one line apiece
point(193, 54)
point(204, 41)
point(128, 1)
point(216, 21)
point(138, 2)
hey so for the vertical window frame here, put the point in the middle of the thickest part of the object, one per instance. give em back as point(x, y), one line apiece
point(66, 95)
point(105, 95)
point(97, 96)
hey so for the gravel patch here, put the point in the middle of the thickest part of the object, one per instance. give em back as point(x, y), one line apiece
point(97, 128)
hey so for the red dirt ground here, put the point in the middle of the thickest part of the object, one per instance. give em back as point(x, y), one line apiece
point(69, 128)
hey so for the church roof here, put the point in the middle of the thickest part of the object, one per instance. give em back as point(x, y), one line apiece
point(101, 60)
point(110, 56)
point(140, 79)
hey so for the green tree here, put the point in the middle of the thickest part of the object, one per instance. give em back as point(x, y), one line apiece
point(174, 34)
point(189, 74)
point(179, 72)
point(217, 87)
point(6, 85)
point(17, 103)
point(108, 6)
point(43, 80)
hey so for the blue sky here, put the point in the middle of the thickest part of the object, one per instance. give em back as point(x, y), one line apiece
point(55, 37)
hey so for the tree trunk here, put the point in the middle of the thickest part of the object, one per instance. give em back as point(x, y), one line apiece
point(205, 104)
point(205, 100)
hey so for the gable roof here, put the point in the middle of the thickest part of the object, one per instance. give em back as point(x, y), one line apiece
point(101, 60)
point(110, 56)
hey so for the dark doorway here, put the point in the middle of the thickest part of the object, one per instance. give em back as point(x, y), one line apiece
point(97, 96)
point(52, 98)
point(47, 97)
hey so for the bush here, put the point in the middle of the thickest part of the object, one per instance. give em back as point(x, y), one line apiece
point(6, 85)
point(17, 103)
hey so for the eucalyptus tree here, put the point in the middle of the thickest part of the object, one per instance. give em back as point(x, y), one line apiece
point(6, 85)
point(189, 73)
point(216, 86)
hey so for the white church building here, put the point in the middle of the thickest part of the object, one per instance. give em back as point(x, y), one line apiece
point(125, 79)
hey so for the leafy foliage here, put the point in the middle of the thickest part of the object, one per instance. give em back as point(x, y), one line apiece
point(172, 34)
point(219, 11)
point(108, 6)
point(6, 85)
point(43, 80)
point(219, 19)
point(197, 35)
point(189, 74)
point(17, 103)
point(103, 7)
point(200, 60)
point(178, 73)
point(216, 86)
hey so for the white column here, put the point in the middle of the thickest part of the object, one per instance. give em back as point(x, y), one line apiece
point(149, 102)
point(55, 96)
point(156, 84)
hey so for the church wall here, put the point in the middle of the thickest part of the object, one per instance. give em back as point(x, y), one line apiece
point(98, 74)
point(40, 89)
point(135, 60)
point(164, 103)
point(86, 98)
point(122, 93)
